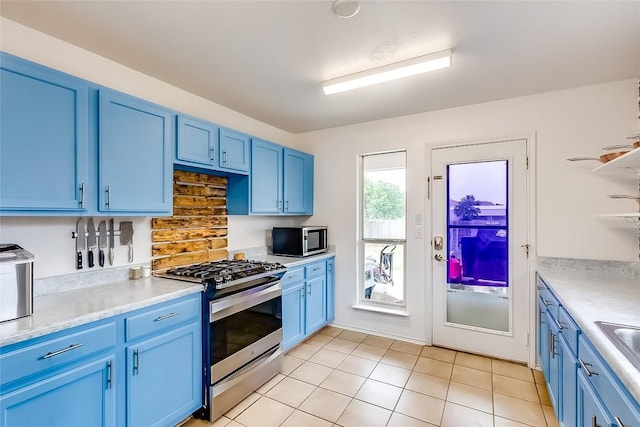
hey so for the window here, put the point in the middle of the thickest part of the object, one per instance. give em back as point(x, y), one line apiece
point(383, 228)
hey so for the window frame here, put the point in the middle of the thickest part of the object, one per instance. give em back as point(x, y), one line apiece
point(362, 241)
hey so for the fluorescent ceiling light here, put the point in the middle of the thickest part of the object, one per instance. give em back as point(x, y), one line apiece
point(409, 67)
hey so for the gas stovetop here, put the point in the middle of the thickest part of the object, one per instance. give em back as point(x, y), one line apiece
point(225, 274)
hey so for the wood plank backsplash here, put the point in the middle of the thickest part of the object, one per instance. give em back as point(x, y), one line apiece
point(197, 231)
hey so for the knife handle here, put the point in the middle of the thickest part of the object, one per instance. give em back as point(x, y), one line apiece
point(101, 258)
point(90, 258)
point(111, 256)
point(79, 260)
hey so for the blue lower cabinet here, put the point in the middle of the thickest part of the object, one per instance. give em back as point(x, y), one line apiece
point(137, 369)
point(315, 304)
point(331, 290)
point(568, 382)
point(591, 411)
point(80, 396)
point(161, 385)
point(293, 314)
point(305, 301)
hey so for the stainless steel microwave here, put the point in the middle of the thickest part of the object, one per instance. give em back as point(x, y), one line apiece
point(299, 241)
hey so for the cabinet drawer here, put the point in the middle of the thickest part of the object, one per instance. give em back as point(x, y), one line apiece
point(292, 277)
point(54, 353)
point(616, 398)
point(570, 330)
point(548, 299)
point(156, 320)
point(316, 269)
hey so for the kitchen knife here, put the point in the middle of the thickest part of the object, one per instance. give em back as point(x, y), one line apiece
point(91, 240)
point(102, 241)
point(112, 241)
point(126, 236)
point(80, 242)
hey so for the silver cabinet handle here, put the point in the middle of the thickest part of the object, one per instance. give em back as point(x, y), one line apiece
point(109, 373)
point(64, 350)
point(286, 205)
point(166, 316)
point(560, 325)
point(82, 195)
point(546, 302)
point(594, 421)
point(213, 154)
point(619, 422)
point(108, 195)
point(224, 157)
point(136, 362)
point(585, 365)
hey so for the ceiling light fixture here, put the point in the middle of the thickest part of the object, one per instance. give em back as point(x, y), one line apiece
point(397, 70)
point(345, 8)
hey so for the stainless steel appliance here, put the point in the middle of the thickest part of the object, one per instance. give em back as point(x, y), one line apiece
point(242, 328)
point(299, 241)
point(16, 282)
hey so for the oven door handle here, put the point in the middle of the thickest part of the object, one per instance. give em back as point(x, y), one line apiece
point(245, 372)
point(235, 303)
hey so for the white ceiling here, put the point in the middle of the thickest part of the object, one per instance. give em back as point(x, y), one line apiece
point(267, 59)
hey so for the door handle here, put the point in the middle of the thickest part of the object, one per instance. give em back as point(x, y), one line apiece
point(438, 257)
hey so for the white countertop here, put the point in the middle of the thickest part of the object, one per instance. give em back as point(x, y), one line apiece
point(600, 295)
point(62, 310)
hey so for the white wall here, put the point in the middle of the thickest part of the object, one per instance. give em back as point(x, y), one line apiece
point(576, 122)
point(50, 238)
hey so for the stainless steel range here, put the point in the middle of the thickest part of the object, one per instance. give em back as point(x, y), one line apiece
point(242, 328)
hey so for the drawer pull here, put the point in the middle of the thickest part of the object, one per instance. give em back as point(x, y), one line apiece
point(166, 316)
point(619, 422)
point(594, 421)
point(560, 325)
point(585, 365)
point(546, 303)
point(64, 350)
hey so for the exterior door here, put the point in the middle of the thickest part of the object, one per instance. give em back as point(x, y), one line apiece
point(479, 249)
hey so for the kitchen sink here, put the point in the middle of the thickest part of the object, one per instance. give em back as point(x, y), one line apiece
point(626, 338)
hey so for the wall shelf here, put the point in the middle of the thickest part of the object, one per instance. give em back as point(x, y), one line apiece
point(631, 160)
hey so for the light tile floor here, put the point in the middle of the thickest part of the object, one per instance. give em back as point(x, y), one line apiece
point(349, 379)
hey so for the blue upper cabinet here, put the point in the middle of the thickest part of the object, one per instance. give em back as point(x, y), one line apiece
point(196, 142)
point(298, 183)
point(234, 151)
point(281, 182)
point(135, 156)
point(266, 177)
point(43, 139)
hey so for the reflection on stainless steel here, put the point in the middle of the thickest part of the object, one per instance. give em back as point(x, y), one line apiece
point(625, 338)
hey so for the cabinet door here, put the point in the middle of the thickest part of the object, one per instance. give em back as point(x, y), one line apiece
point(234, 151)
point(298, 185)
point(164, 378)
point(197, 141)
point(43, 138)
point(569, 363)
point(292, 315)
point(80, 396)
point(316, 304)
point(266, 177)
point(331, 289)
point(543, 339)
point(590, 410)
point(135, 155)
point(555, 368)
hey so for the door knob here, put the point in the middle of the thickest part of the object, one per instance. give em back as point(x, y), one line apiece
point(438, 257)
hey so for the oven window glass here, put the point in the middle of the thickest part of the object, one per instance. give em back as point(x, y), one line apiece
point(233, 333)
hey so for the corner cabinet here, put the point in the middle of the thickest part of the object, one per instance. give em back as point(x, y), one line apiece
point(583, 389)
point(280, 182)
point(142, 368)
point(44, 139)
point(307, 300)
point(135, 153)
